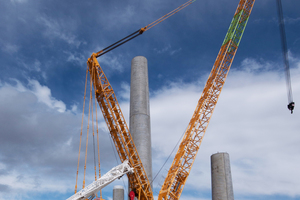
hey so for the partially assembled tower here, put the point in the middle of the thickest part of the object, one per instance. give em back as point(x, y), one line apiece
point(140, 112)
point(221, 182)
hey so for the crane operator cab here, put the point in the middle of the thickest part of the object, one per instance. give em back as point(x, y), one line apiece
point(291, 106)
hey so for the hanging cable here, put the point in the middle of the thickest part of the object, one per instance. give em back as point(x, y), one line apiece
point(81, 129)
point(180, 139)
point(87, 134)
point(291, 104)
point(142, 30)
point(119, 43)
point(94, 149)
point(151, 25)
point(97, 139)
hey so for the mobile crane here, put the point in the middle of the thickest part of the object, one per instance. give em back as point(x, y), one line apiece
point(190, 144)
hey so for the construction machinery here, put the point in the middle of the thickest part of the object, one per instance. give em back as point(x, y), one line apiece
point(291, 103)
point(91, 190)
point(189, 146)
point(117, 126)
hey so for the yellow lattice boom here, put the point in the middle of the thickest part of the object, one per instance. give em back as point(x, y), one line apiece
point(190, 144)
point(118, 129)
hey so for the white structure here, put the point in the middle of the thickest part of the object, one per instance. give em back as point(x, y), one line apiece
point(221, 181)
point(96, 186)
point(140, 112)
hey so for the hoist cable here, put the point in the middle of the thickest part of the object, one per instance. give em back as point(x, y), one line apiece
point(179, 140)
point(285, 56)
point(81, 129)
point(87, 134)
point(168, 15)
point(119, 43)
point(97, 138)
point(140, 31)
point(94, 148)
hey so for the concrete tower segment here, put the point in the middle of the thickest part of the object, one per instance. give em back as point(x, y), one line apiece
point(221, 181)
point(140, 112)
point(118, 192)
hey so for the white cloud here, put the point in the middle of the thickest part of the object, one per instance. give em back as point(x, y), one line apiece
point(292, 20)
point(57, 29)
point(43, 94)
point(167, 49)
point(163, 50)
point(18, 1)
point(114, 62)
point(251, 122)
point(36, 138)
point(10, 48)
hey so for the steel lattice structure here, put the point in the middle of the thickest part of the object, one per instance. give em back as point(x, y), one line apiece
point(118, 129)
point(190, 144)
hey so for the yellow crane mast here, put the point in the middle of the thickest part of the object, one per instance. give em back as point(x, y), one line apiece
point(190, 144)
point(118, 129)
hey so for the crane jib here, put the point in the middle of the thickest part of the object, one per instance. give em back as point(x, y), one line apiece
point(188, 149)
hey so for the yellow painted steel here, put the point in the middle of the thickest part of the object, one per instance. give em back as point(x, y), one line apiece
point(81, 130)
point(118, 129)
point(186, 154)
point(190, 144)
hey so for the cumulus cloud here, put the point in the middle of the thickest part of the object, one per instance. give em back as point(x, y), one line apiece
point(43, 94)
point(39, 142)
point(251, 122)
point(33, 135)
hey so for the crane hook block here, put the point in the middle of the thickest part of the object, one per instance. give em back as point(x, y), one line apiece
point(131, 195)
point(291, 106)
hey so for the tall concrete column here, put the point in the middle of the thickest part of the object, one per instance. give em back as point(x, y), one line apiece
point(118, 192)
point(140, 112)
point(221, 181)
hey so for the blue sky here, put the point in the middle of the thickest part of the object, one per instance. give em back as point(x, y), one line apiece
point(44, 46)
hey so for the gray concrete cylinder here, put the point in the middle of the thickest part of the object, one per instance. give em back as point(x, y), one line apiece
point(221, 180)
point(140, 112)
point(118, 192)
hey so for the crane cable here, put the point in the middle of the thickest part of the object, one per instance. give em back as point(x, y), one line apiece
point(84, 96)
point(142, 30)
point(98, 139)
point(87, 135)
point(291, 104)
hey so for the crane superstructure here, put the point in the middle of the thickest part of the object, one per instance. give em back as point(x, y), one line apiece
point(185, 156)
point(118, 129)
